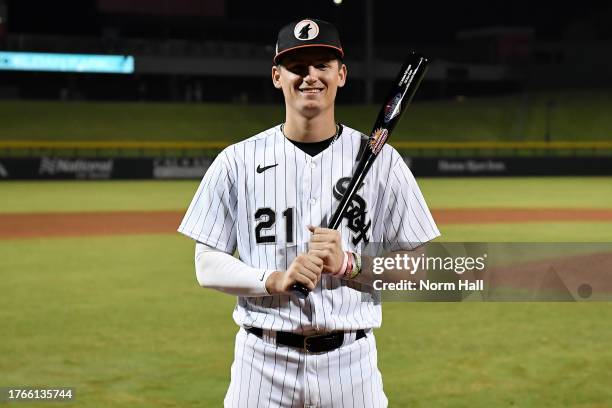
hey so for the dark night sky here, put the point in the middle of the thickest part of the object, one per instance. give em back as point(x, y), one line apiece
point(421, 22)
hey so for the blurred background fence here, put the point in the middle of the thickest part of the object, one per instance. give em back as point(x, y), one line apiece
point(196, 149)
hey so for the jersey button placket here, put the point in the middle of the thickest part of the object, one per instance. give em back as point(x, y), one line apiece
point(310, 217)
point(315, 193)
point(305, 202)
point(315, 211)
point(307, 191)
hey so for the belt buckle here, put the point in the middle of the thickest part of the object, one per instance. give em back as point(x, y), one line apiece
point(325, 337)
point(306, 343)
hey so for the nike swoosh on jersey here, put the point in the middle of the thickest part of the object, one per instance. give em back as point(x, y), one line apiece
point(262, 169)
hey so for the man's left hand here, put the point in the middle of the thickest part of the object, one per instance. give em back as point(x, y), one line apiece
point(326, 244)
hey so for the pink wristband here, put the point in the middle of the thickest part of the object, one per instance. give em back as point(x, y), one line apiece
point(349, 266)
point(342, 270)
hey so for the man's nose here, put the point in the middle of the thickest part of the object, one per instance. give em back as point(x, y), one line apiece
point(311, 74)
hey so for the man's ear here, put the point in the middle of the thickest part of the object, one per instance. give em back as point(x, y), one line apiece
point(276, 76)
point(342, 72)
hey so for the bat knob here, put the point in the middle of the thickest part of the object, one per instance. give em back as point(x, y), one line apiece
point(300, 291)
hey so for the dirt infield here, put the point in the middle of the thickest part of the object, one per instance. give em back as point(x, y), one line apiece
point(559, 277)
point(38, 225)
point(88, 224)
point(510, 215)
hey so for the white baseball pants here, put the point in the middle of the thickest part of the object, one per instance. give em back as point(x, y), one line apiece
point(266, 375)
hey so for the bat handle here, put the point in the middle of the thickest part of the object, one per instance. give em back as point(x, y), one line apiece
point(300, 290)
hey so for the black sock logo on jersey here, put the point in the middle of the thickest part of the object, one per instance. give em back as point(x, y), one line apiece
point(355, 212)
point(304, 32)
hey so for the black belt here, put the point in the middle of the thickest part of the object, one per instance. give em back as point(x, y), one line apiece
point(320, 343)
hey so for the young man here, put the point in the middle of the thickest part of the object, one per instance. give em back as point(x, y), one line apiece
point(267, 197)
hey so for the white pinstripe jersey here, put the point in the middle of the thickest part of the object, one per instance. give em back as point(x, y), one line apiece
point(259, 195)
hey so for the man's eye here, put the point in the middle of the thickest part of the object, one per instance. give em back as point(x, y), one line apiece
point(321, 66)
point(297, 68)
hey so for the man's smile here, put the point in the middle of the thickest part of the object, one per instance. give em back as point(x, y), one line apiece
point(310, 90)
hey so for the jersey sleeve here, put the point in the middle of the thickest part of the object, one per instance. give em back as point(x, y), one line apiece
point(211, 216)
point(408, 222)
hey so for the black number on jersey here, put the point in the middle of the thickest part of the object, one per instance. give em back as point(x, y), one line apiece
point(267, 223)
point(268, 218)
point(288, 214)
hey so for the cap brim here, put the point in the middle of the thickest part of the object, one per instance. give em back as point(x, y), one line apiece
point(282, 53)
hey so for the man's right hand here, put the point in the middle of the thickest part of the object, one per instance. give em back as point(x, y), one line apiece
point(305, 269)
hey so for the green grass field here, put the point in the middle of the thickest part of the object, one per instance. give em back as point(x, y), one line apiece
point(123, 320)
point(577, 116)
point(511, 192)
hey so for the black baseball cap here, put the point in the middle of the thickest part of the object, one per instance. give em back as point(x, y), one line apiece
point(308, 32)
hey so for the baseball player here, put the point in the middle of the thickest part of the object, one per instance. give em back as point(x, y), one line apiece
point(268, 197)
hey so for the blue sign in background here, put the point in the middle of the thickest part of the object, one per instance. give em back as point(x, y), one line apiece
point(39, 61)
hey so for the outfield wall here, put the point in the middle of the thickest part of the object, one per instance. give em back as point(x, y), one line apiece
point(103, 168)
